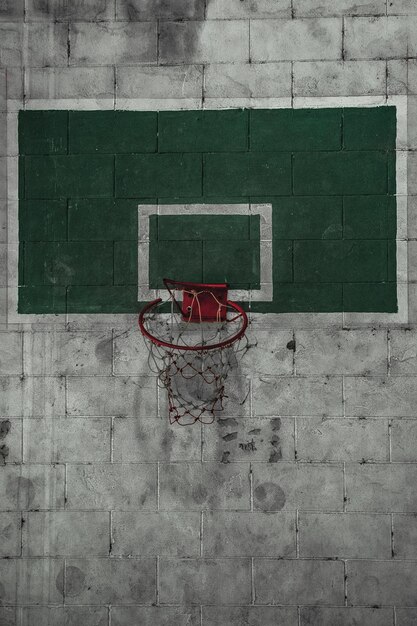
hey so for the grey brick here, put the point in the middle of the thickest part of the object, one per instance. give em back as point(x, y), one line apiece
point(12, 10)
point(381, 487)
point(2, 90)
point(298, 582)
point(31, 397)
point(334, 78)
point(397, 71)
point(381, 582)
point(3, 265)
point(113, 43)
point(311, 8)
point(11, 37)
point(70, 9)
point(298, 40)
point(403, 440)
point(3, 220)
point(159, 82)
point(47, 44)
point(406, 617)
point(235, 9)
point(405, 536)
point(297, 396)
point(412, 75)
point(205, 581)
point(249, 534)
point(381, 397)
point(130, 352)
point(403, 348)
point(10, 353)
point(67, 353)
point(153, 534)
point(10, 616)
point(258, 439)
point(126, 487)
point(268, 353)
point(212, 41)
point(341, 352)
point(195, 486)
point(250, 615)
point(8, 581)
point(158, 9)
point(412, 216)
point(412, 171)
point(113, 581)
point(39, 581)
point(68, 615)
point(376, 38)
point(345, 616)
point(31, 487)
point(401, 7)
point(71, 82)
point(66, 533)
point(10, 535)
point(155, 616)
point(297, 486)
point(3, 184)
point(345, 535)
point(14, 83)
point(342, 439)
point(139, 440)
point(11, 437)
point(121, 397)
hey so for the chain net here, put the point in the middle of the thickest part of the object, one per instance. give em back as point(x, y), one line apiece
point(194, 379)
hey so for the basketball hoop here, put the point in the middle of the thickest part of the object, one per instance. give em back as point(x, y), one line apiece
point(194, 338)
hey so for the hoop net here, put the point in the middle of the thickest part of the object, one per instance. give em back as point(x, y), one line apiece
point(194, 338)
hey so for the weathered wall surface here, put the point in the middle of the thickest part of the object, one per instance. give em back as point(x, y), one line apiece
point(299, 506)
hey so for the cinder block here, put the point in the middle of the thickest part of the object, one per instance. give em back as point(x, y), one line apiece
point(66, 533)
point(249, 534)
point(47, 44)
point(66, 440)
point(39, 581)
point(71, 82)
point(334, 78)
point(285, 582)
point(155, 615)
point(298, 40)
point(10, 616)
point(2, 90)
point(376, 37)
point(68, 615)
point(11, 441)
point(345, 616)
point(268, 353)
point(10, 353)
point(412, 171)
point(251, 615)
point(297, 486)
point(153, 534)
point(382, 488)
point(403, 440)
point(401, 7)
point(12, 10)
point(412, 255)
point(130, 353)
point(11, 37)
point(68, 353)
point(14, 86)
point(405, 536)
point(310, 8)
point(381, 582)
point(10, 531)
point(32, 397)
point(397, 77)
point(297, 396)
point(147, 10)
point(345, 535)
point(342, 439)
point(31, 487)
point(403, 349)
point(113, 43)
point(234, 439)
point(406, 617)
point(3, 265)
point(381, 397)
point(8, 580)
point(88, 10)
point(116, 581)
point(126, 487)
point(137, 440)
point(121, 397)
point(205, 581)
point(341, 352)
point(235, 9)
point(159, 82)
point(215, 41)
point(196, 486)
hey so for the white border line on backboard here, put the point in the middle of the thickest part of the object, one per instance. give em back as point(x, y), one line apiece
point(400, 102)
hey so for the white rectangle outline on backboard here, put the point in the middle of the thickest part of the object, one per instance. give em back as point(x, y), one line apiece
point(400, 102)
point(264, 293)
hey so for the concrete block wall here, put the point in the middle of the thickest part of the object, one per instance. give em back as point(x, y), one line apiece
point(298, 506)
